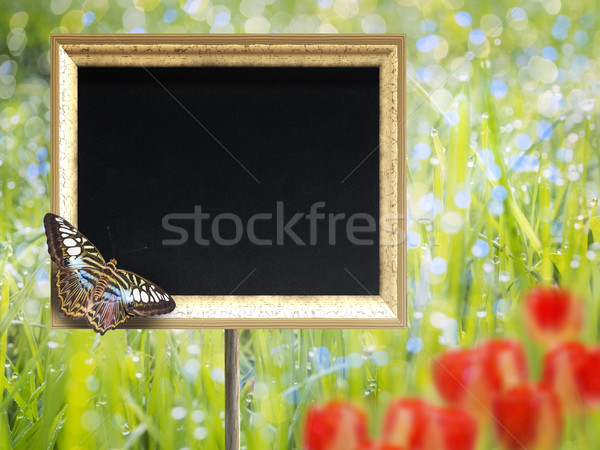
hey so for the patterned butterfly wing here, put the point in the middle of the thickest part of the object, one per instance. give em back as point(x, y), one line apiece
point(107, 311)
point(142, 297)
point(68, 247)
point(74, 288)
point(79, 262)
point(126, 295)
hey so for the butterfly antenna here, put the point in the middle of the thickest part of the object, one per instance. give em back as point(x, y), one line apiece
point(141, 249)
point(112, 248)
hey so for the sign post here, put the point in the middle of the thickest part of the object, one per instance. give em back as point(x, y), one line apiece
point(232, 389)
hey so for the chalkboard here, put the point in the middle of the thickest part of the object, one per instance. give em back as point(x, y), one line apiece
point(259, 179)
point(240, 141)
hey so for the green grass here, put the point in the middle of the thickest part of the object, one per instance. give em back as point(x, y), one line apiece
point(164, 389)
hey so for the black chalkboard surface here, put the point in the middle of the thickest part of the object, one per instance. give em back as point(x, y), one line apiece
point(160, 149)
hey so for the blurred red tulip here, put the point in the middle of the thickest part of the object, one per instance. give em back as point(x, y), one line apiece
point(572, 371)
point(335, 426)
point(458, 428)
point(454, 372)
point(528, 416)
point(376, 445)
point(407, 422)
point(417, 425)
point(503, 363)
point(592, 383)
point(470, 378)
point(553, 314)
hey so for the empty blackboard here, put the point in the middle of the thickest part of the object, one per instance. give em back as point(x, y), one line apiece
point(238, 141)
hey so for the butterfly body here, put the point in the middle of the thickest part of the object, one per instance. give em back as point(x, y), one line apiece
point(108, 272)
point(89, 287)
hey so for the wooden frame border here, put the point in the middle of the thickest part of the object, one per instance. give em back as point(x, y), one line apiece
point(388, 52)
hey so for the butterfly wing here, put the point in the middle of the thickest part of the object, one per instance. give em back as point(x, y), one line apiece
point(79, 264)
point(74, 287)
point(142, 297)
point(126, 295)
point(68, 247)
point(108, 311)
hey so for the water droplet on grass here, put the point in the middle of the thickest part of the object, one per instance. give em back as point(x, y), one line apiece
point(200, 433)
point(217, 375)
point(480, 249)
point(178, 413)
point(438, 265)
point(414, 345)
point(381, 358)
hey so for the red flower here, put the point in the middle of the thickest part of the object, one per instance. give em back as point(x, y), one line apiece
point(458, 428)
point(553, 314)
point(503, 364)
point(335, 426)
point(376, 445)
point(418, 425)
point(454, 372)
point(572, 370)
point(470, 378)
point(592, 383)
point(407, 422)
point(528, 416)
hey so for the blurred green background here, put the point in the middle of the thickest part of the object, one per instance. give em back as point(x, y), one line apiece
point(503, 179)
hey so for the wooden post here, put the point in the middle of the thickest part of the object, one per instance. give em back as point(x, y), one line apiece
point(232, 389)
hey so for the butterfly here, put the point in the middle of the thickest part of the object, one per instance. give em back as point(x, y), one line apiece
point(95, 289)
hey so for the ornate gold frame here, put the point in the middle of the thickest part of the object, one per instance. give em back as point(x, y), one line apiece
point(388, 52)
